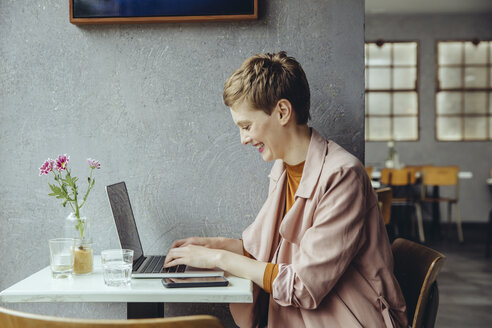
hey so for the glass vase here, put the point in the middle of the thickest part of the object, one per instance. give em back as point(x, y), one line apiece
point(78, 229)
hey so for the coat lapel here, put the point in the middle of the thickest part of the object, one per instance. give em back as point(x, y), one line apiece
point(259, 237)
point(295, 222)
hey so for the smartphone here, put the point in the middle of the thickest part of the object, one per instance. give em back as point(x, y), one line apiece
point(195, 282)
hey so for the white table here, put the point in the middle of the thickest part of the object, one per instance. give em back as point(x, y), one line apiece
point(40, 287)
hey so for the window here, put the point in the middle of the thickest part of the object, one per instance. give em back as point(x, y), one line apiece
point(392, 105)
point(464, 90)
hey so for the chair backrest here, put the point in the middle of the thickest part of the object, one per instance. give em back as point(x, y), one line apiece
point(416, 268)
point(385, 196)
point(440, 175)
point(369, 170)
point(398, 177)
point(16, 319)
point(430, 314)
point(418, 168)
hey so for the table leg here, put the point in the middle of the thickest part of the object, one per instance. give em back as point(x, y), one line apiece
point(489, 236)
point(144, 310)
point(436, 216)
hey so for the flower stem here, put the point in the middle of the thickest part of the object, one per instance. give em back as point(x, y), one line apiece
point(89, 188)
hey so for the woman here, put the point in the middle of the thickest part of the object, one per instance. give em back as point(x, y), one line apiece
point(318, 252)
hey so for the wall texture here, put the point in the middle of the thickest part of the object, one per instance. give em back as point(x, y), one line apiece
point(476, 157)
point(146, 100)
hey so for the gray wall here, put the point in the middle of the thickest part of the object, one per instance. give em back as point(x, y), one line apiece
point(476, 157)
point(146, 100)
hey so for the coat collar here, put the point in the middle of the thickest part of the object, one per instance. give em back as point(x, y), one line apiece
point(314, 163)
point(312, 168)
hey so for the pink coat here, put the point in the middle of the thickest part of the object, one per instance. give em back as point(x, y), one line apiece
point(335, 260)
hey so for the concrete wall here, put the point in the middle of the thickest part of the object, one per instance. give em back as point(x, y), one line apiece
point(476, 157)
point(146, 100)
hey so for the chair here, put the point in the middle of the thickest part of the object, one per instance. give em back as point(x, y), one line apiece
point(416, 268)
point(402, 181)
point(398, 177)
point(369, 170)
point(16, 319)
point(385, 196)
point(438, 176)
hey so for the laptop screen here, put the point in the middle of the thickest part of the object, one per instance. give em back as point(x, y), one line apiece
point(124, 219)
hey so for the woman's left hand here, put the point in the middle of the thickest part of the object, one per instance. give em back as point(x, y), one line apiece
point(196, 256)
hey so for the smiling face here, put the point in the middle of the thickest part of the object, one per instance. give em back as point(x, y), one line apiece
point(259, 129)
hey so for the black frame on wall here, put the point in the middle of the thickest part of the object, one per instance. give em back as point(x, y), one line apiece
point(160, 11)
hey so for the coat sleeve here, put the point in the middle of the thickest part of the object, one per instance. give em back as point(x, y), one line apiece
point(328, 246)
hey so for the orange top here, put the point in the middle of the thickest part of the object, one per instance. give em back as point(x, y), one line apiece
point(294, 175)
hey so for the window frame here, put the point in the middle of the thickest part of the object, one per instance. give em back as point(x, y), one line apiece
point(463, 89)
point(392, 91)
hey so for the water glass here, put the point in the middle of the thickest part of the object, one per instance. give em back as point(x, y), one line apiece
point(117, 267)
point(61, 257)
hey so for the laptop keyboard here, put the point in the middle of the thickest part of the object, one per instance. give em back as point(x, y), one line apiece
point(155, 266)
point(178, 268)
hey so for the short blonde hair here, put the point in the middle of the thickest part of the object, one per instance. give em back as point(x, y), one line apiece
point(264, 79)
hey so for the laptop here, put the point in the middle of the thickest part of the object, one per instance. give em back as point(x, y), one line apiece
point(144, 266)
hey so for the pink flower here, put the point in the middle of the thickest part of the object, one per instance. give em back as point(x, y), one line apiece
point(94, 164)
point(62, 162)
point(47, 167)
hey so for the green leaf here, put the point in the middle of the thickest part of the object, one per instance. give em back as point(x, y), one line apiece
point(55, 189)
point(57, 192)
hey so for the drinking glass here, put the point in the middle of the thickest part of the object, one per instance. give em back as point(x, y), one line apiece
point(117, 267)
point(61, 257)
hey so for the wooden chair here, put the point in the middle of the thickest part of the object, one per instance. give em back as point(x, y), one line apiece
point(369, 170)
point(16, 319)
point(418, 168)
point(385, 196)
point(438, 176)
point(404, 180)
point(398, 177)
point(416, 268)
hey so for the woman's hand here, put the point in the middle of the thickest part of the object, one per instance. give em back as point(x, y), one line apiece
point(193, 255)
point(186, 252)
point(210, 242)
point(228, 244)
